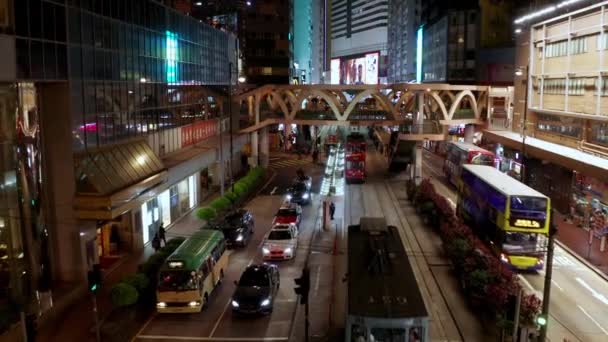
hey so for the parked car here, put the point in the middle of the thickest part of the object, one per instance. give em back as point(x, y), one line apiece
point(256, 290)
point(237, 228)
point(299, 193)
point(288, 213)
point(281, 242)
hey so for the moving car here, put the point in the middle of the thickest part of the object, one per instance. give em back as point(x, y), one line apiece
point(281, 242)
point(237, 228)
point(288, 213)
point(299, 193)
point(256, 290)
point(307, 180)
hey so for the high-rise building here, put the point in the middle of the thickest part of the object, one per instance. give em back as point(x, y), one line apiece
point(358, 41)
point(557, 139)
point(93, 97)
point(263, 30)
point(467, 41)
point(403, 22)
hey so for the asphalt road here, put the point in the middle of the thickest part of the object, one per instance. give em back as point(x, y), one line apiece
point(579, 296)
point(216, 322)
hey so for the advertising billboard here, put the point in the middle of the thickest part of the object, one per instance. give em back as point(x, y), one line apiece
point(362, 69)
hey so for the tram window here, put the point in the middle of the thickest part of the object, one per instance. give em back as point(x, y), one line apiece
point(388, 335)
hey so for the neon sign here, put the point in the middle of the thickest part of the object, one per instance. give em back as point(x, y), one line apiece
point(419, 55)
point(172, 57)
point(525, 223)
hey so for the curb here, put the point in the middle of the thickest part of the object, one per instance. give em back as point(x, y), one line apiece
point(580, 258)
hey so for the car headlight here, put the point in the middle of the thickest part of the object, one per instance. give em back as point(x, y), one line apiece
point(235, 304)
point(265, 250)
point(288, 197)
point(288, 250)
point(265, 302)
point(305, 196)
point(193, 304)
point(239, 237)
point(161, 305)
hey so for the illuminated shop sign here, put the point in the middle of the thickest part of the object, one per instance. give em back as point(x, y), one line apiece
point(172, 57)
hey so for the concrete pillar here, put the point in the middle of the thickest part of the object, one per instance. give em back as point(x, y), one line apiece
point(253, 160)
point(287, 134)
point(469, 133)
point(264, 147)
point(417, 165)
point(419, 122)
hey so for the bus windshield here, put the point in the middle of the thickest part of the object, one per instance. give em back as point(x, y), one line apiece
point(177, 281)
point(523, 243)
point(521, 203)
point(354, 165)
point(482, 159)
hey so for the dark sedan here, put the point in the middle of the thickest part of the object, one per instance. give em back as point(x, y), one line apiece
point(299, 193)
point(237, 228)
point(256, 290)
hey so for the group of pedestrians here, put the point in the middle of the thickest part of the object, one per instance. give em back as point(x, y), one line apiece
point(158, 237)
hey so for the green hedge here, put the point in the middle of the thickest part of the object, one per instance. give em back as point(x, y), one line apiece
point(242, 189)
point(123, 294)
point(138, 280)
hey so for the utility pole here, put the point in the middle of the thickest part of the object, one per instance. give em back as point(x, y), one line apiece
point(543, 319)
point(230, 123)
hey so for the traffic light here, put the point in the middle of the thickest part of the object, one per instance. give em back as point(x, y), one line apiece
point(94, 278)
point(303, 286)
point(541, 320)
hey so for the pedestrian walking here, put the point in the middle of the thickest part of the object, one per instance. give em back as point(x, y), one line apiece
point(161, 234)
point(156, 242)
point(332, 210)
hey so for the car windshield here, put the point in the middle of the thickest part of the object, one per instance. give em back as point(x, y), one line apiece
point(522, 243)
point(522, 203)
point(299, 187)
point(176, 281)
point(287, 212)
point(234, 219)
point(279, 235)
point(254, 276)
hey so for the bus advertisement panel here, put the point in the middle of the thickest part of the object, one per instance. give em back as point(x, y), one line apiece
point(509, 215)
point(190, 274)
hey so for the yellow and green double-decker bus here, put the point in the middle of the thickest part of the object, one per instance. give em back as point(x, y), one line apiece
point(190, 274)
point(511, 216)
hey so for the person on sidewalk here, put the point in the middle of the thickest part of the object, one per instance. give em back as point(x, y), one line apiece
point(332, 210)
point(156, 242)
point(161, 234)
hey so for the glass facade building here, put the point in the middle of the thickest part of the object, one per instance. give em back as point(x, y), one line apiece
point(79, 78)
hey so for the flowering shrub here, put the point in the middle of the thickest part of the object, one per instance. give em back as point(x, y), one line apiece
point(482, 274)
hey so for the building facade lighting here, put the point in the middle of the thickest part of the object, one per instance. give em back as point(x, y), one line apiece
point(545, 10)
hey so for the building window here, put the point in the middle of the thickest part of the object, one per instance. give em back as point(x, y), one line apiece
point(599, 133)
point(602, 43)
point(558, 49)
point(603, 87)
point(565, 126)
point(554, 86)
point(576, 86)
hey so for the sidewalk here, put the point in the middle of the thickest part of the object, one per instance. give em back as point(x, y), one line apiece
point(77, 322)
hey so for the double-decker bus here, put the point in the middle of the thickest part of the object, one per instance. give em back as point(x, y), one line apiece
point(384, 300)
point(354, 158)
point(512, 217)
point(190, 274)
point(460, 153)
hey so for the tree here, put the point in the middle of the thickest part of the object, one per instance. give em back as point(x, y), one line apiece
point(123, 295)
point(206, 214)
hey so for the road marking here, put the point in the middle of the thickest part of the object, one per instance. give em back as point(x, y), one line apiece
point(563, 260)
point(594, 293)
point(193, 338)
point(273, 190)
point(557, 285)
point(593, 320)
point(219, 319)
point(143, 327)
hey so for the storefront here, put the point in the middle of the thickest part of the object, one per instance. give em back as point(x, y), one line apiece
point(169, 206)
point(589, 204)
point(507, 160)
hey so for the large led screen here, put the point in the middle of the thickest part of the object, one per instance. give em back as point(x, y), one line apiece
point(355, 70)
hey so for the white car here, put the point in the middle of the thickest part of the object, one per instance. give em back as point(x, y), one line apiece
point(281, 242)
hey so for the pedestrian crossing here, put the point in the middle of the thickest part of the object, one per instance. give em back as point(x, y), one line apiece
point(278, 164)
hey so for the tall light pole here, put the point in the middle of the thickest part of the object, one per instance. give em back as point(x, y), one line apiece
point(543, 319)
point(523, 71)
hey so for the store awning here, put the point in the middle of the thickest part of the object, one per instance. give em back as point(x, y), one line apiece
point(573, 159)
point(109, 178)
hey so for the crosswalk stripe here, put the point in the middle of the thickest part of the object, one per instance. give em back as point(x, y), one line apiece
point(285, 163)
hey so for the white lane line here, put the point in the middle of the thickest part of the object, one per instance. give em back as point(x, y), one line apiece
point(188, 338)
point(556, 285)
point(143, 327)
point(592, 319)
point(219, 319)
point(273, 190)
point(594, 293)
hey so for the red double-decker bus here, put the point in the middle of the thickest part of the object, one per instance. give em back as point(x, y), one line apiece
point(460, 153)
point(354, 165)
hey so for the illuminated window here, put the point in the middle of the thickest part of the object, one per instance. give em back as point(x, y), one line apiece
point(172, 57)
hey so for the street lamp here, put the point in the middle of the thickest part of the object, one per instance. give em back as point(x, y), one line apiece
point(519, 72)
